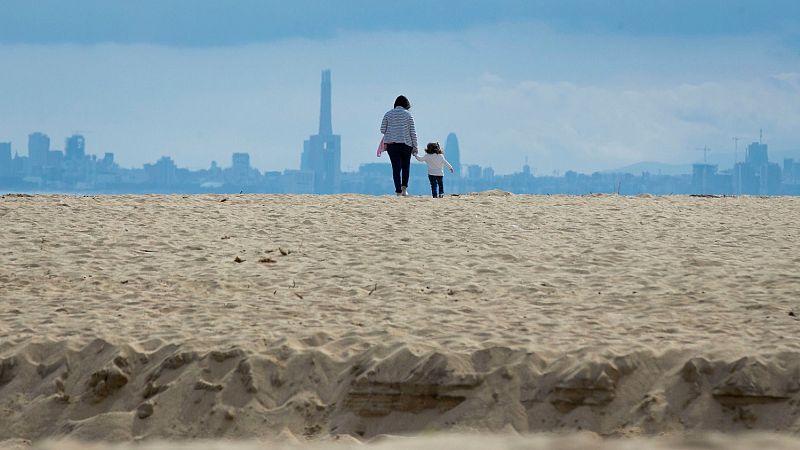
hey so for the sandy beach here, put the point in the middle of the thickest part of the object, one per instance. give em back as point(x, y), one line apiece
point(320, 318)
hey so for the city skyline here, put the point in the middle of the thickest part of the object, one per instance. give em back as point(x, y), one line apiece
point(566, 84)
point(320, 171)
point(322, 153)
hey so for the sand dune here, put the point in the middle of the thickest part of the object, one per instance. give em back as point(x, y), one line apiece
point(252, 316)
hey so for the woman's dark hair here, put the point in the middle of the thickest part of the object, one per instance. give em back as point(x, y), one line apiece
point(402, 101)
point(433, 147)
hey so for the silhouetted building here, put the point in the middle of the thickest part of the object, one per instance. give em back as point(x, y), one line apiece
point(745, 179)
point(54, 169)
point(163, 173)
point(756, 176)
point(5, 159)
point(38, 148)
point(757, 154)
point(791, 171)
point(452, 153)
point(240, 161)
point(770, 179)
point(322, 153)
point(298, 181)
point(526, 170)
point(75, 148)
point(703, 178)
point(241, 174)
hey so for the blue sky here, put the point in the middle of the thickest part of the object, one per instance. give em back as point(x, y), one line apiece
point(588, 85)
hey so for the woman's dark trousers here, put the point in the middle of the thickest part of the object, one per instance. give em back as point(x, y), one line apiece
point(437, 181)
point(400, 155)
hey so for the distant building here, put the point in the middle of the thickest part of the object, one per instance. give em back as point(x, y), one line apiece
point(757, 154)
point(38, 148)
point(703, 178)
point(5, 159)
point(791, 171)
point(75, 148)
point(163, 173)
point(526, 170)
point(241, 173)
point(298, 181)
point(322, 152)
point(745, 179)
point(452, 153)
point(473, 171)
point(54, 169)
point(240, 161)
point(756, 176)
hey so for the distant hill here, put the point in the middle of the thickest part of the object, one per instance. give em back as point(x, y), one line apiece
point(655, 168)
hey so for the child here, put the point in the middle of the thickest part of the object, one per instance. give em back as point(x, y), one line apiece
point(435, 160)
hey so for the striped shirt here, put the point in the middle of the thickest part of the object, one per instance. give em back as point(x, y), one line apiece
point(398, 127)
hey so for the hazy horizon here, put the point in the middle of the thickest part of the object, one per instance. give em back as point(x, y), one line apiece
point(569, 85)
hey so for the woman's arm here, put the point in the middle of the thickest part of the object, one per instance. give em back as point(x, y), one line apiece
point(413, 133)
point(384, 124)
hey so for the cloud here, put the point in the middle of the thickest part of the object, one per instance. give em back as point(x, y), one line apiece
point(569, 126)
point(209, 23)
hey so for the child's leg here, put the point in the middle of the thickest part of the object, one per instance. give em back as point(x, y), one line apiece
point(440, 180)
point(432, 179)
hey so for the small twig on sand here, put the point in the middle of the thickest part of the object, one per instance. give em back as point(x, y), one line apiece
point(298, 295)
point(374, 288)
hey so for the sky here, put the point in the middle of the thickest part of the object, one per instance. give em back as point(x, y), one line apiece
point(584, 85)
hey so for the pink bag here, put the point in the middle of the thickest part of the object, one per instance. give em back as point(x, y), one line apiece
point(381, 148)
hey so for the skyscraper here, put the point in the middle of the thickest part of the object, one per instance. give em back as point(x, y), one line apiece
point(75, 147)
point(325, 124)
point(452, 153)
point(38, 146)
point(322, 152)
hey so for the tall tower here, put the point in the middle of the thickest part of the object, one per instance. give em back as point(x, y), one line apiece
point(325, 126)
point(452, 153)
point(322, 153)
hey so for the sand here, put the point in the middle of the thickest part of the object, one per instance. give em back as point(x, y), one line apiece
point(252, 317)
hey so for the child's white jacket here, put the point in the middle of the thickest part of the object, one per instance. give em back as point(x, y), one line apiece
point(435, 162)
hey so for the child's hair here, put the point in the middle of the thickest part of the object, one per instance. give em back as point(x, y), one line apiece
point(433, 147)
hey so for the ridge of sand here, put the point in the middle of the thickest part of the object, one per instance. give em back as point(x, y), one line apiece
point(130, 317)
point(123, 392)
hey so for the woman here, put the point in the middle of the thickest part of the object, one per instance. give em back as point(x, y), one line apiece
point(400, 139)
